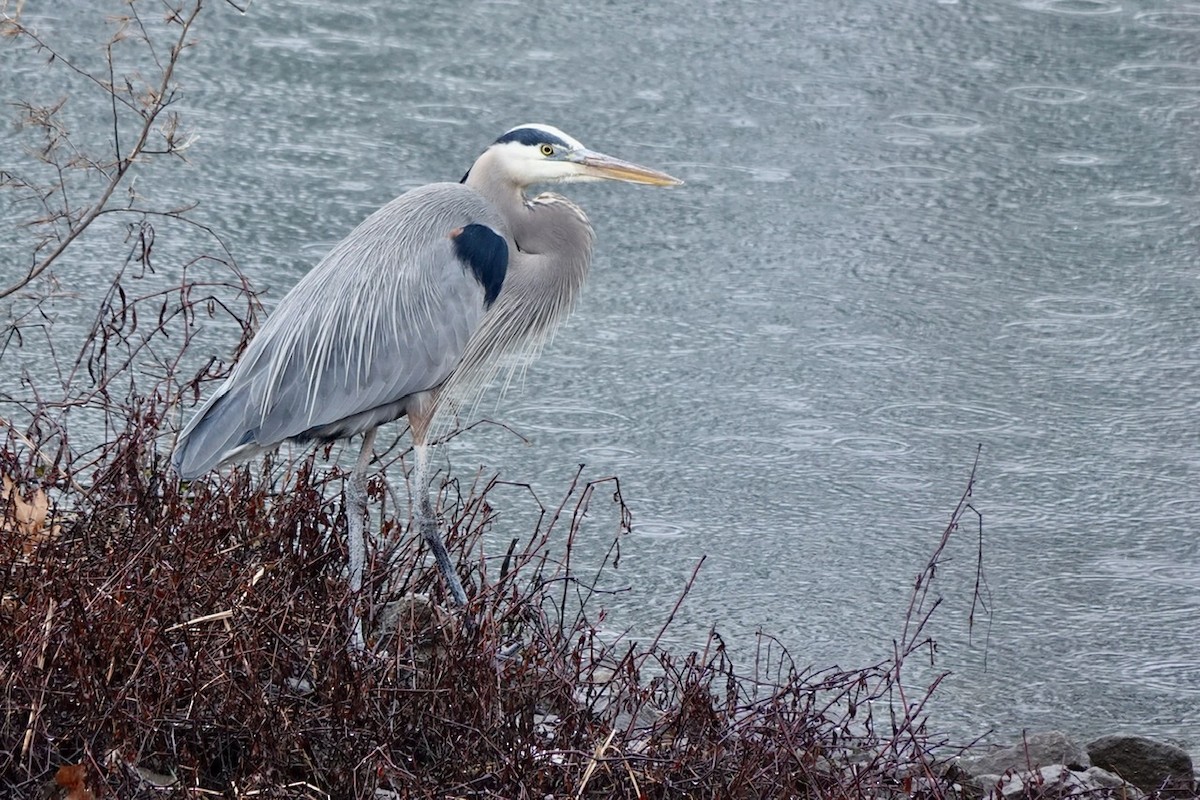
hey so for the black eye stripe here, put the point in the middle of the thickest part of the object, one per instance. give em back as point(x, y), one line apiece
point(531, 137)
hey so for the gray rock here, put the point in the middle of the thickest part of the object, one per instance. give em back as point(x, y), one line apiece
point(1037, 750)
point(984, 783)
point(1057, 782)
point(1106, 780)
point(1144, 762)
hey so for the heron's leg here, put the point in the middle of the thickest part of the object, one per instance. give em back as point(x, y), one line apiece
point(427, 521)
point(356, 513)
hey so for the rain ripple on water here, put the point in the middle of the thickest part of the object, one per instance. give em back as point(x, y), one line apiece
point(751, 450)
point(1160, 76)
point(1126, 596)
point(1171, 676)
point(1050, 95)
point(1129, 209)
point(865, 351)
point(872, 445)
point(909, 139)
point(1188, 21)
point(1060, 332)
point(905, 482)
point(659, 529)
point(1138, 199)
point(1079, 159)
point(1073, 7)
point(1079, 306)
point(939, 124)
point(906, 173)
point(1181, 509)
point(566, 419)
point(946, 418)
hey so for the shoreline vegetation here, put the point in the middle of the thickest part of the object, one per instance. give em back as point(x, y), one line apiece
point(162, 639)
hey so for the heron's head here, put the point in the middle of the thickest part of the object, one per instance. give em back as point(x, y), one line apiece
point(532, 153)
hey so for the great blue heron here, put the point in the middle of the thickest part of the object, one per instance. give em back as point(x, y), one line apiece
point(411, 312)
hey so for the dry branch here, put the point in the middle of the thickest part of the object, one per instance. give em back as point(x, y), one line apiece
point(152, 105)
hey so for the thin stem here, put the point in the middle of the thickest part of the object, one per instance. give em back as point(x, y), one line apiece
point(162, 99)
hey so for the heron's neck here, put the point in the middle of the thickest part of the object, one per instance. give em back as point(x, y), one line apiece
point(550, 249)
point(505, 196)
point(550, 240)
point(548, 224)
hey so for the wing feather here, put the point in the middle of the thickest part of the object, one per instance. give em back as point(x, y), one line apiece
point(386, 314)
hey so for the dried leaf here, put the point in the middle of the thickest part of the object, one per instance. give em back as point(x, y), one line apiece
point(25, 516)
point(73, 778)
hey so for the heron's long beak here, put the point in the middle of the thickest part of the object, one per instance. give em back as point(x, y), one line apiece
point(602, 167)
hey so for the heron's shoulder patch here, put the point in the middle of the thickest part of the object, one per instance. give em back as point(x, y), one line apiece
point(485, 253)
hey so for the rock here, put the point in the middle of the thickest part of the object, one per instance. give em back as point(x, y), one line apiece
point(1037, 750)
point(981, 786)
point(1057, 782)
point(1145, 763)
point(1104, 778)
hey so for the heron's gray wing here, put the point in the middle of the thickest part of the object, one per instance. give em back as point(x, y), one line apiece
point(386, 314)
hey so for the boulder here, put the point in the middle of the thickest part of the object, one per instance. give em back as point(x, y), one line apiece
point(1057, 782)
point(1036, 750)
point(1145, 763)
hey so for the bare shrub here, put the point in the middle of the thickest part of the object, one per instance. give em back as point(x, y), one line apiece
point(199, 638)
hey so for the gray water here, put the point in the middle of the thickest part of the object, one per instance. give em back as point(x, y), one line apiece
point(908, 230)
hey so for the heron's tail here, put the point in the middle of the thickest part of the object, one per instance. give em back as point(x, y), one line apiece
point(219, 433)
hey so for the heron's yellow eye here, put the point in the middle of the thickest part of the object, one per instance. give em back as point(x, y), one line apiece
point(547, 150)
